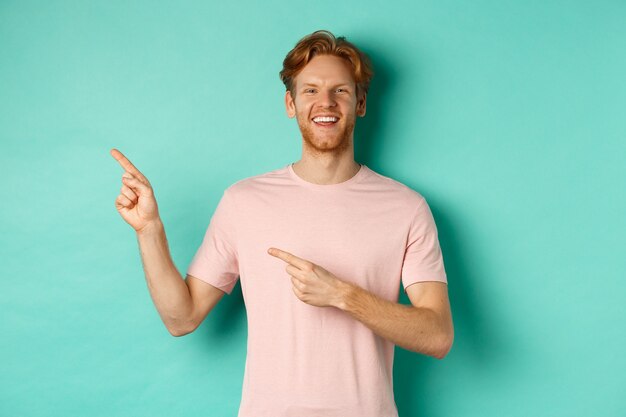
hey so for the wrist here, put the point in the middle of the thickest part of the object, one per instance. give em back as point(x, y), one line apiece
point(151, 228)
point(346, 292)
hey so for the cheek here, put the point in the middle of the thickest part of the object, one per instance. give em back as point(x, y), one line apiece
point(303, 104)
point(349, 103)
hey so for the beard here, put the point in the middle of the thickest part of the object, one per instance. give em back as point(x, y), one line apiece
point(319, 143)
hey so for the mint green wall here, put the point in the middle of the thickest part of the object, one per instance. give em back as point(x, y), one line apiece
point(509, 117)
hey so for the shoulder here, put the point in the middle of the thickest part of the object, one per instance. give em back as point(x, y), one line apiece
point(393, 188)
point(255, 184)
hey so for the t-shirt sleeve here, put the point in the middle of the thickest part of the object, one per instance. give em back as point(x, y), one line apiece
point(423, 260)
point(216, 260)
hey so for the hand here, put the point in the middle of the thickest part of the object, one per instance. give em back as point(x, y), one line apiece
point(311, 283)
point(136, 203)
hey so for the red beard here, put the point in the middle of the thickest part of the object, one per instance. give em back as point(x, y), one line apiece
point(320, 143)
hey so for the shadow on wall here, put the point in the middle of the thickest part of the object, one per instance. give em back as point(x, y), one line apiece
point(473, 329)
point(368, 128)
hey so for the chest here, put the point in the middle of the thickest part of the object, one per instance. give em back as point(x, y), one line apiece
point(359, 240)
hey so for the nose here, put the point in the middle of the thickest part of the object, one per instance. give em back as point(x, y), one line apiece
point(326, 98)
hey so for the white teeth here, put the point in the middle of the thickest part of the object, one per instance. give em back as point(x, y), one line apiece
point(325, 119)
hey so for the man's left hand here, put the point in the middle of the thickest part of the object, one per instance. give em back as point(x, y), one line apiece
point(311, 283)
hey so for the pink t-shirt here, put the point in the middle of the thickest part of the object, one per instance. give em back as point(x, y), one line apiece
point(303, 360)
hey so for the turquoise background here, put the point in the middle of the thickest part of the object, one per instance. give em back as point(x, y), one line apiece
point(508, 116)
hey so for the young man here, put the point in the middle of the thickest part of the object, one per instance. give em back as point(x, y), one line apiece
point(321, 247)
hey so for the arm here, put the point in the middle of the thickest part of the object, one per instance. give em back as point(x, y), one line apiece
point(424, 327)
point(182, 304)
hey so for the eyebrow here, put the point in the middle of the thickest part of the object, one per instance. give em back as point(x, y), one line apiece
point(315, 85)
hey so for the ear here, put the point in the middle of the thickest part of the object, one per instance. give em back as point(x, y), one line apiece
point(361, 105)
point(290, 106)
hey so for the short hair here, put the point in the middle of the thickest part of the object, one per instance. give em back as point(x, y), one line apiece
point(323, 42)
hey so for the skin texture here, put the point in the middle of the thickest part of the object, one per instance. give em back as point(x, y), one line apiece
point(182, 304)
point(325, 86)
point(425, 327)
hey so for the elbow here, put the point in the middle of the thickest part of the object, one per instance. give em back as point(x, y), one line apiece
point(178, 332)
point(445, 346)
point(181, 329)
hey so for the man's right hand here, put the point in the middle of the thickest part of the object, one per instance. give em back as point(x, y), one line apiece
point(136, 203)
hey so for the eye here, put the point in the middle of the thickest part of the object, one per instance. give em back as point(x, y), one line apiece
point(309, 90)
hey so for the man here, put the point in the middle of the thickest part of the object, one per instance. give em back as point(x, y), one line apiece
point(321, 247)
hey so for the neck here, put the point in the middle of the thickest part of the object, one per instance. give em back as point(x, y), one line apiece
point(326, 169)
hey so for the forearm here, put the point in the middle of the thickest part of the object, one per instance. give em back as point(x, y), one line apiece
point(416, 329)
point(168, 289)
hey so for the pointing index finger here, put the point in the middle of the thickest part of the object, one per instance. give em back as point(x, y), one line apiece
point(125, 163)
point(288, 257)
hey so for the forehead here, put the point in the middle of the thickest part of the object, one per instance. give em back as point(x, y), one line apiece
point(326, 69)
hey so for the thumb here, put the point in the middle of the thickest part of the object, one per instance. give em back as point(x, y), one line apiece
point(139, 187)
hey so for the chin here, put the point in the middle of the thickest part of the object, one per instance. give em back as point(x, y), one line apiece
point(319, 142)
point(326, 144)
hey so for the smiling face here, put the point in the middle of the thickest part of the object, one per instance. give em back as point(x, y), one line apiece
point(325, 104)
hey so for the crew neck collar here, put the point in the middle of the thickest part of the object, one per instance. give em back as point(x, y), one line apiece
point(340, 185)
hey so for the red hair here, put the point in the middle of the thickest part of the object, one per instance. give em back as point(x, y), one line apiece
point(322, 42)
